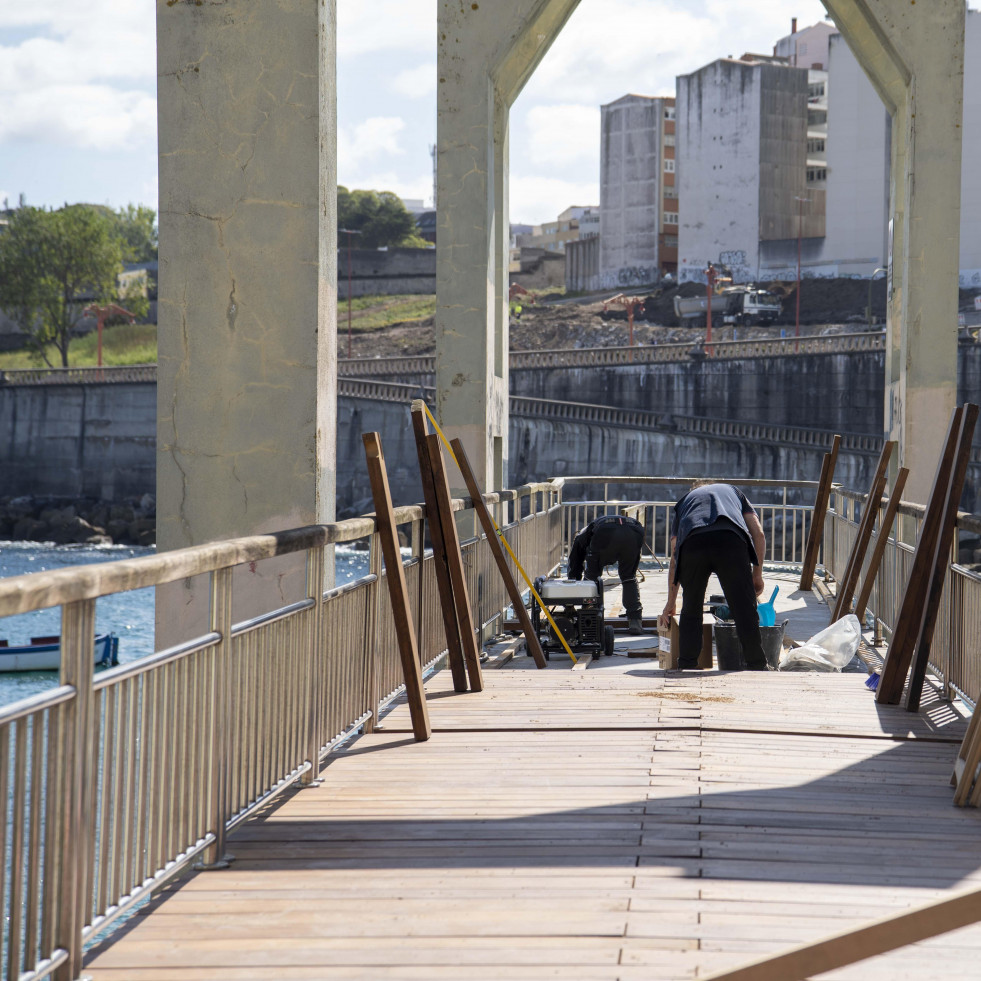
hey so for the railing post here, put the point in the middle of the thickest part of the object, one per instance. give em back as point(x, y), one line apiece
point(314, 699)
point(221, 623)
point(76, 846)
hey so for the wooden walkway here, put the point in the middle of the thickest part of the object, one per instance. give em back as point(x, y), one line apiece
point(612, 822)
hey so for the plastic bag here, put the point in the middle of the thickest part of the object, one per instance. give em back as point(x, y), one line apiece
point(830, 649)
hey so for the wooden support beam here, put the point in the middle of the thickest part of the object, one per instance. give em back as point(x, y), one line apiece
point(906, 629)
point(454, 558)
point(882, 539)
point(849, 946)
point(497, 550)
point(967, 763)
point(444, 585)
point(816, 531)
point(873, 504)
point(942, 552)
point(398, 591)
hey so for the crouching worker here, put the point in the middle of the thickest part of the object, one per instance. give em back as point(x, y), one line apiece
point(605, 540)
point(716, 530)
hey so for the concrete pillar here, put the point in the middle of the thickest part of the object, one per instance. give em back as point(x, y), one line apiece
point(914, 56)
point(486, 52)
point(247, 328)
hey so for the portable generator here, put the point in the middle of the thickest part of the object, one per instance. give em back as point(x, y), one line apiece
point(577, 609)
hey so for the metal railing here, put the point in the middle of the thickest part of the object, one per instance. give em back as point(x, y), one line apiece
point(114, 783)
point(108, 374)
point(785, 522)
point(955, 654)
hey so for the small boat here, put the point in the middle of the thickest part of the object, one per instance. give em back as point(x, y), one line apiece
point(44, 654)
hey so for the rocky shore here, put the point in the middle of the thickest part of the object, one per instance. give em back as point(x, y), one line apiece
point(78, 521)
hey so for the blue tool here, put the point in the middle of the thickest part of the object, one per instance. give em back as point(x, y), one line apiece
point(768, 615)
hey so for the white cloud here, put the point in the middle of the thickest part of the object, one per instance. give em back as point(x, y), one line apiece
point(538, 199)
point(416, 83)
point(560, 135)
point(412, 186)
point(377, 137)
point(385, 25)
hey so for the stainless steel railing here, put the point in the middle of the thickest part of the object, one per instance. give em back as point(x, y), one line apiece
point(114, 783)
point(955, 655)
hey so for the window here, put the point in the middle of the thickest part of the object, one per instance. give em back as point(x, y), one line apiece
point(669, 112)
point(669, 166)
point(815, 146)
point(669, 139)
point(671, 241)
point(670, 193)
point(816, 174)
point(670, 217)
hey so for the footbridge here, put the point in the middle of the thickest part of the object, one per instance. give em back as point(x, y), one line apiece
point(278, 797)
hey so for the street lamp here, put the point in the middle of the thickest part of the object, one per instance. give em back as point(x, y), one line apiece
point(875, 272)
point(800, 218)
point(349, 232)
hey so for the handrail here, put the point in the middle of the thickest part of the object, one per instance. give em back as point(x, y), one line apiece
point(760, 347)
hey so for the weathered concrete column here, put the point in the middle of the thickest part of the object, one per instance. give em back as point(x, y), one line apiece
point(914, 56)
point(486, 52)
point(247, 286)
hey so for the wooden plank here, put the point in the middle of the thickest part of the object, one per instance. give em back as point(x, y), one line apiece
point(490, 530)
point(451, 625)
point(454, 558)
point(405, 629)
point(873, 506)
point(906, 627)
point(942, 552)
point(966, 766)
point(816, 531)
point(885, 934)
point(881, 541)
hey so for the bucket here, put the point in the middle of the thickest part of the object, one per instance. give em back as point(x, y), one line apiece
point(729, 651)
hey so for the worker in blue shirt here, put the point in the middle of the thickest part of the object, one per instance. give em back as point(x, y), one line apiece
point(605, 540)
point(717, 530)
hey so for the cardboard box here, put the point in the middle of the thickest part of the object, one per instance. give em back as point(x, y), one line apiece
point(669, 644)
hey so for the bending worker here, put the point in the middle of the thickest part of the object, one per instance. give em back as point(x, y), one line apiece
point(716, 530)
point(605, 540)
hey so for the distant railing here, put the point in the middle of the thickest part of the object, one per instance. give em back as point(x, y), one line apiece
point(766, 347)
point(112, 784)
point(110, 374)
point(955, 654)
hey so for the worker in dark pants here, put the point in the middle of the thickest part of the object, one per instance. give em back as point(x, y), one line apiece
point(605, 540)
point(716, 530)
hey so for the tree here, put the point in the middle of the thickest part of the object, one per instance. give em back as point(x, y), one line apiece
point(380, 217)
point(136, 225)
point(52, 265)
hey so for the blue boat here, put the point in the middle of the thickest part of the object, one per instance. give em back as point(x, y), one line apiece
point(44, 654)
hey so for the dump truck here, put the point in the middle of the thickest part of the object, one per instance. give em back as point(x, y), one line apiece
point(734, 304)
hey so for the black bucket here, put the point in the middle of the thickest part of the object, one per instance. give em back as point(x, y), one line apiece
point(729, 651)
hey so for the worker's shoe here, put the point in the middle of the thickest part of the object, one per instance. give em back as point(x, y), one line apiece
point(635, 625)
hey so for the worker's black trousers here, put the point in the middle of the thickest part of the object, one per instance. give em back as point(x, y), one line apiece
point(618, 542)
point(726, 554)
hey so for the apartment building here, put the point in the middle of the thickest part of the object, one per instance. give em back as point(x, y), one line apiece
point(638, 195)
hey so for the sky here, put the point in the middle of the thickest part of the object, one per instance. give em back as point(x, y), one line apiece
point(78, 93)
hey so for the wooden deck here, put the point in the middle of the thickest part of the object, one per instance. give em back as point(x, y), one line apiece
point(611, 822)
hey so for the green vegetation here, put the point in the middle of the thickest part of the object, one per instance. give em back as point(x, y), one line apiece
point(379, 218)
point(121, 345)
point(55, 264)
point(371, 313)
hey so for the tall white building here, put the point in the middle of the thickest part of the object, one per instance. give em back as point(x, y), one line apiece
point(638, 196)
point(742, 167)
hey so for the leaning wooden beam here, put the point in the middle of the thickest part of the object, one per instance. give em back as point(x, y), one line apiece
point(487, 523)
point(816, 532)
point(454, 558)
point(966, 764)
point(945, 541)
point(850, 946)
point(444, 585)
point(882, 539)
point(907, 627)
point(404, 628)
point(873, 505)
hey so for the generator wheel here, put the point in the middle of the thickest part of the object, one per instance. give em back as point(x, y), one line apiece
point(608, 640)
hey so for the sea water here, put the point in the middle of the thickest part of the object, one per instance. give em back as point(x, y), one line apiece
point(130, 615)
